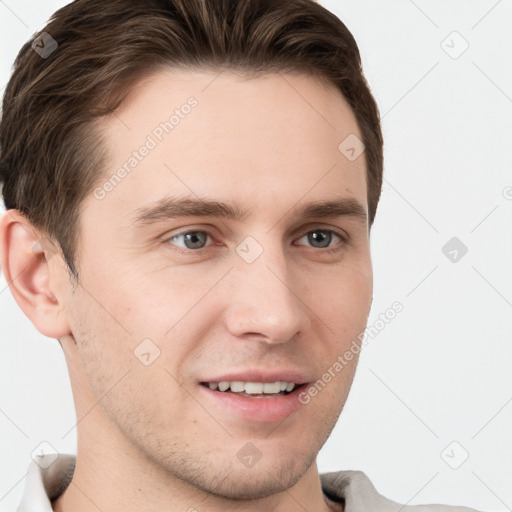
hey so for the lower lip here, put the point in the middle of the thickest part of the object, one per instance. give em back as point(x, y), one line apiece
point(255, 409)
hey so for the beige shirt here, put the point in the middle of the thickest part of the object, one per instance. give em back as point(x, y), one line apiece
point(48, 478)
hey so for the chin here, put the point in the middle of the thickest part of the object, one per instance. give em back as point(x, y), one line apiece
point(257, 483)
point(227, 477)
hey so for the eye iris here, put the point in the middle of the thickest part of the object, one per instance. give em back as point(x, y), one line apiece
point(196, 238)
point(323, 236)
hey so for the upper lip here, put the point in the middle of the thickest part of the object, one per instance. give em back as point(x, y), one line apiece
point(261, 376)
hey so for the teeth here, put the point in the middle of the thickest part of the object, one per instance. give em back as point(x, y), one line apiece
point(272, 387)
point(223, 386)
point(237, 386)
point(253, 388)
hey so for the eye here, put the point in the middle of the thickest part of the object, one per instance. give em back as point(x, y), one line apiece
point(191, 239)
point(321, 238)
point(197, 240)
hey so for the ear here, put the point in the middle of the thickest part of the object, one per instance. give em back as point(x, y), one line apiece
point(24, 258)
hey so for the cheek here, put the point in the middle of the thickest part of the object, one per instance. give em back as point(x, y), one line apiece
point(104, 345)
point(119, 315)
point(143, 324)
point(345, 299)
point(156, 301)
point(130, 379)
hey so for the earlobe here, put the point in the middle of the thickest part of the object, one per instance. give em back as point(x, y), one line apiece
point(24, 257)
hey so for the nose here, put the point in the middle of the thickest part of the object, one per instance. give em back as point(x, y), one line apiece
point(265, 300)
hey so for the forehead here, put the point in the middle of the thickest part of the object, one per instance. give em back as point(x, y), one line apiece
point(222, 134)
point(298, 103)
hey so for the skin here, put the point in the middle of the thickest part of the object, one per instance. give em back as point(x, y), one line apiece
point(145, 442)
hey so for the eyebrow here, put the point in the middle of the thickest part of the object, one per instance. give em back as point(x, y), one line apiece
point(175, 208)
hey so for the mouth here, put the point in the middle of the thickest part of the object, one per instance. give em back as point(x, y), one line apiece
point(254, 389)
point(254, 401)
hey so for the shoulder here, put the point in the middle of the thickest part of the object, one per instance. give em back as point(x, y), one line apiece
point(359, 494)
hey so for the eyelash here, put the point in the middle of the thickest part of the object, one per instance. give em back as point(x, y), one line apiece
point(338, 247)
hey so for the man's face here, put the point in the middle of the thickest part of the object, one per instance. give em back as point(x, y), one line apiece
point(272, 296)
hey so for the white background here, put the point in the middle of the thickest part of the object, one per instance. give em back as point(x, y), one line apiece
point(440, 371)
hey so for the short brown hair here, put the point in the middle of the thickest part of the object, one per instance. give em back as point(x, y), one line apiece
point(51, 155)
